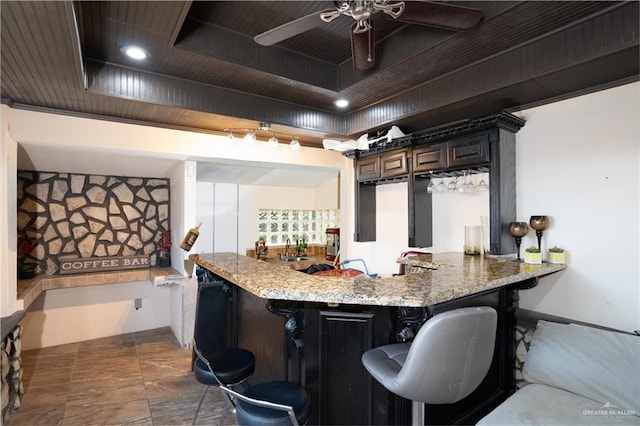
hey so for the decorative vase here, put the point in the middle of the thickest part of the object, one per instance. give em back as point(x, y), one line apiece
point(164, 260)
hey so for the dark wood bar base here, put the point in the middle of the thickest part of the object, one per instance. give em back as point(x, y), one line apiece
point(319, 346)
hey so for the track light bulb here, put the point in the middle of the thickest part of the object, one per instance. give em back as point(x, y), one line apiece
point(250, 137)
point(295, 143)
point(273, 141)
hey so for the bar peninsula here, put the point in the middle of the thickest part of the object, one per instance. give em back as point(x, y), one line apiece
point(445, 277)
point(314, 329)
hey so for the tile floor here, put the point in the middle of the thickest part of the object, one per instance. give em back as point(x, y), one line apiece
point(141, 378)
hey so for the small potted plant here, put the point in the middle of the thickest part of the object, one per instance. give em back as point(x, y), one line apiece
point(164, 245)
point(26, 265)
point(532, 255)
point(556, 255)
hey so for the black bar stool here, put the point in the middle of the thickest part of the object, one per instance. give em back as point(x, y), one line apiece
point(215, 364)
point(272, 404)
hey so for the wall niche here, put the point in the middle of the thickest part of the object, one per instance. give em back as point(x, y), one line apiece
point(80, 216)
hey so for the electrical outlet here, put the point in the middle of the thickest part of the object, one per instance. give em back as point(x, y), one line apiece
point(138, 304)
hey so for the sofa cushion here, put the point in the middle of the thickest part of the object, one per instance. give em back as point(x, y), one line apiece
point(598, 364)
point(537, 404)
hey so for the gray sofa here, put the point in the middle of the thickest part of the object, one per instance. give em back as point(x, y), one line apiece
point(576, 375)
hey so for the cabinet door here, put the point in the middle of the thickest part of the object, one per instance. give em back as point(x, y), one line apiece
point(368, 168)
point(345, 386)
point(393, 164)
point(469, 150)
point(433, 157)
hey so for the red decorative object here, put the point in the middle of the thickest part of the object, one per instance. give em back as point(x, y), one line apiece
point(164, 245)
point(26, 245)
point(26, 268)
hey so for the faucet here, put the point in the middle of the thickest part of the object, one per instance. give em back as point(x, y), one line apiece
point(286, 248)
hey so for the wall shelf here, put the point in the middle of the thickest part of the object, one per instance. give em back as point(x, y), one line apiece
point(29, 290)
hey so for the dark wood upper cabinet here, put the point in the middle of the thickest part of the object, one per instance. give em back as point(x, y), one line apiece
point(373, 170)
point(382, 166)
point(429, 157)
point(368, 168)
point(469, 150)
point(483, 144)
point(394, 164)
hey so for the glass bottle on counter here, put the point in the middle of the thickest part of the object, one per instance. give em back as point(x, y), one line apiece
point(190, 238)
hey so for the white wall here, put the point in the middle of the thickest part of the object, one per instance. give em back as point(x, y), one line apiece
point(327, 195)
point(578, 162)
point(205, 206)
point(217, 208)
point(8, 204)
point(75, 314)
point(453, 211)
point(182, 181)
point(226, 222)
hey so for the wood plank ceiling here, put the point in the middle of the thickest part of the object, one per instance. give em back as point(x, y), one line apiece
point(206, 73)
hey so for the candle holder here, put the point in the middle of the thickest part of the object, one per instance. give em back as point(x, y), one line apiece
point(517, 231)
point(539, 223)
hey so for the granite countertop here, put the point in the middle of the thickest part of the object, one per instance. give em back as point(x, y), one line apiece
point(446, 276)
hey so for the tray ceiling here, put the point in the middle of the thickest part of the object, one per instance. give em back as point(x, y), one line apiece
point(206, 73)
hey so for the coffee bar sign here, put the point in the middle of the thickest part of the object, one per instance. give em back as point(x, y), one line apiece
point(98, 264)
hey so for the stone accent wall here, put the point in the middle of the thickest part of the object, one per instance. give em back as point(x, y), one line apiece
point(12, 389)
point(81, 216)
point(522, 342)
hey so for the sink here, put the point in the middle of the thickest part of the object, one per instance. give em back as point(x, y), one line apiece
point(293, 259)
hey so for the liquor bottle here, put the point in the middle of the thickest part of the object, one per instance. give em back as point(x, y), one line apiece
point(190, 238)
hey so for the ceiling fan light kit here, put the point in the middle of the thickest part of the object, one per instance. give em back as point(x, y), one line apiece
point(439, 15)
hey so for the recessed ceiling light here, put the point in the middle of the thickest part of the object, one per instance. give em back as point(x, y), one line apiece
point(134, 52)
point(341, 103)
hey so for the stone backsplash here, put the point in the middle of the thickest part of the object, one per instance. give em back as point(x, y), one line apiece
point(11, 371)
point(80, 216)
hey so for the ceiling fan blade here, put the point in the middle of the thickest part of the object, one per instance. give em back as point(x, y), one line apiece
point(440, 15)
point(290, 29)
point(363, 49)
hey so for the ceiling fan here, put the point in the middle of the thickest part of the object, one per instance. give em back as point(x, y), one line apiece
point(439, 15)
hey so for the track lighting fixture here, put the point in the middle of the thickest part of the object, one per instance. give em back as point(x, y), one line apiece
point(252, 135)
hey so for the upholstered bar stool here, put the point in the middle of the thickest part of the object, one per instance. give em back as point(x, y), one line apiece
point(214, 363)
point(272, 403)
point(448, 359)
